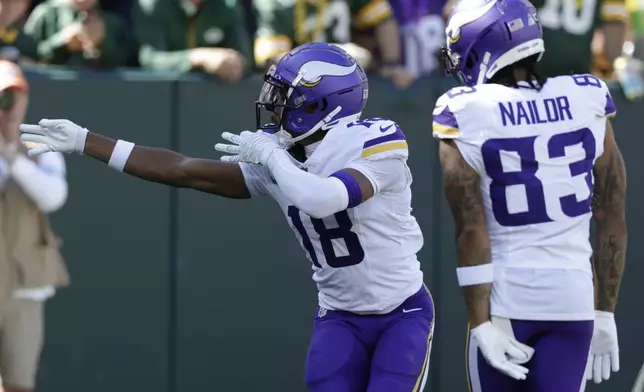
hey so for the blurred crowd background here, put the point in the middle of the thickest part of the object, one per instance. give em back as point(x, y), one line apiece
point(398, 39)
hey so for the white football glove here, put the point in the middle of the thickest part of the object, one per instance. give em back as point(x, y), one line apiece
point(53, 135)
point(501, 351)
point(604, 350)
point(251, 147)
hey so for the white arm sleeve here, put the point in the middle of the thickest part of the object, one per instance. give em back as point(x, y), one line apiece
point(315, 196)
point(257, 178)
point(43, 181)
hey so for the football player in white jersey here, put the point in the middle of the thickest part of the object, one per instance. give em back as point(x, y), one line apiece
point(347, 198)
point(526, 163)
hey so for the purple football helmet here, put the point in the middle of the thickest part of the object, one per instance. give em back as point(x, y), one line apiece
point(485, 36)
point(313, 85)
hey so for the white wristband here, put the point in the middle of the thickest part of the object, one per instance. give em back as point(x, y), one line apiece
point(478, 274)
point(120, 155)
point(80, 141)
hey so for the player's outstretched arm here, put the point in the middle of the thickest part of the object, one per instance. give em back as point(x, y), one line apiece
point(151, 164)
point(609, 202)
point(462, 188)
point(174, 169)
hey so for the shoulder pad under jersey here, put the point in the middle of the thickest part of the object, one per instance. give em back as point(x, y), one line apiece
point(379, 138)
point(445, 124)
point(589, 89)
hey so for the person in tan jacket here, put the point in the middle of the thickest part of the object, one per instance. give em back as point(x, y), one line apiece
point(31, 267)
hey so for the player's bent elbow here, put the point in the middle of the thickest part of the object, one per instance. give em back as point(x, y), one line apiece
point(317, 206)
point(320, 215)
point(316, 212)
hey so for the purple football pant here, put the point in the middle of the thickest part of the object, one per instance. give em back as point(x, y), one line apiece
point(560, 354)
point(375, 353)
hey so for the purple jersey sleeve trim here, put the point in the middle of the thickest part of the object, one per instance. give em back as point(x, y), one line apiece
point(446, 118)
point(609, 110)
point(352, 185)
point(397, 135)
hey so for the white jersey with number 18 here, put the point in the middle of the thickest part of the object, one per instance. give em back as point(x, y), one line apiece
point(534, 151)
point(364, 258)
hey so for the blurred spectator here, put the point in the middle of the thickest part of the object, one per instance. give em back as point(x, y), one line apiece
point(14, 44)
point(568, 30)
point(182, 35)
point(79, 33)
point(284, 24)
point(31, 267)
point(35, 3)
point(422, 28)
point(122, 8)
point(250, 17)
point(635, 8)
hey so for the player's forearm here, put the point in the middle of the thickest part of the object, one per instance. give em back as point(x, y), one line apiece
point(477, 300)
point(609, 213)
point(474, 258)
point(463, 193)
point(316, 196)
point(151, 164)
point(609, 259)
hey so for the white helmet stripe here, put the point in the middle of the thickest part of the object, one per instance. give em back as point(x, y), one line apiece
point(313, 71)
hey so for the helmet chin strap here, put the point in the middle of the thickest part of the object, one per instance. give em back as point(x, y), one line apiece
point(327, 119)
point(483, 68)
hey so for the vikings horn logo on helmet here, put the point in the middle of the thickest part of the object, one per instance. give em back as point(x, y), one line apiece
point(313, 71)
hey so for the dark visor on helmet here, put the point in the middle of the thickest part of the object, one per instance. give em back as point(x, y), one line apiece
point(273, 101)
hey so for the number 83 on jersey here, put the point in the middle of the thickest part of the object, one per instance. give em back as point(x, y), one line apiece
point(538, 179)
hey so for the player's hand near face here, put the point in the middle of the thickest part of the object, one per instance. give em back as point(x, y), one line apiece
point(250, 147)
point(151, 164)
